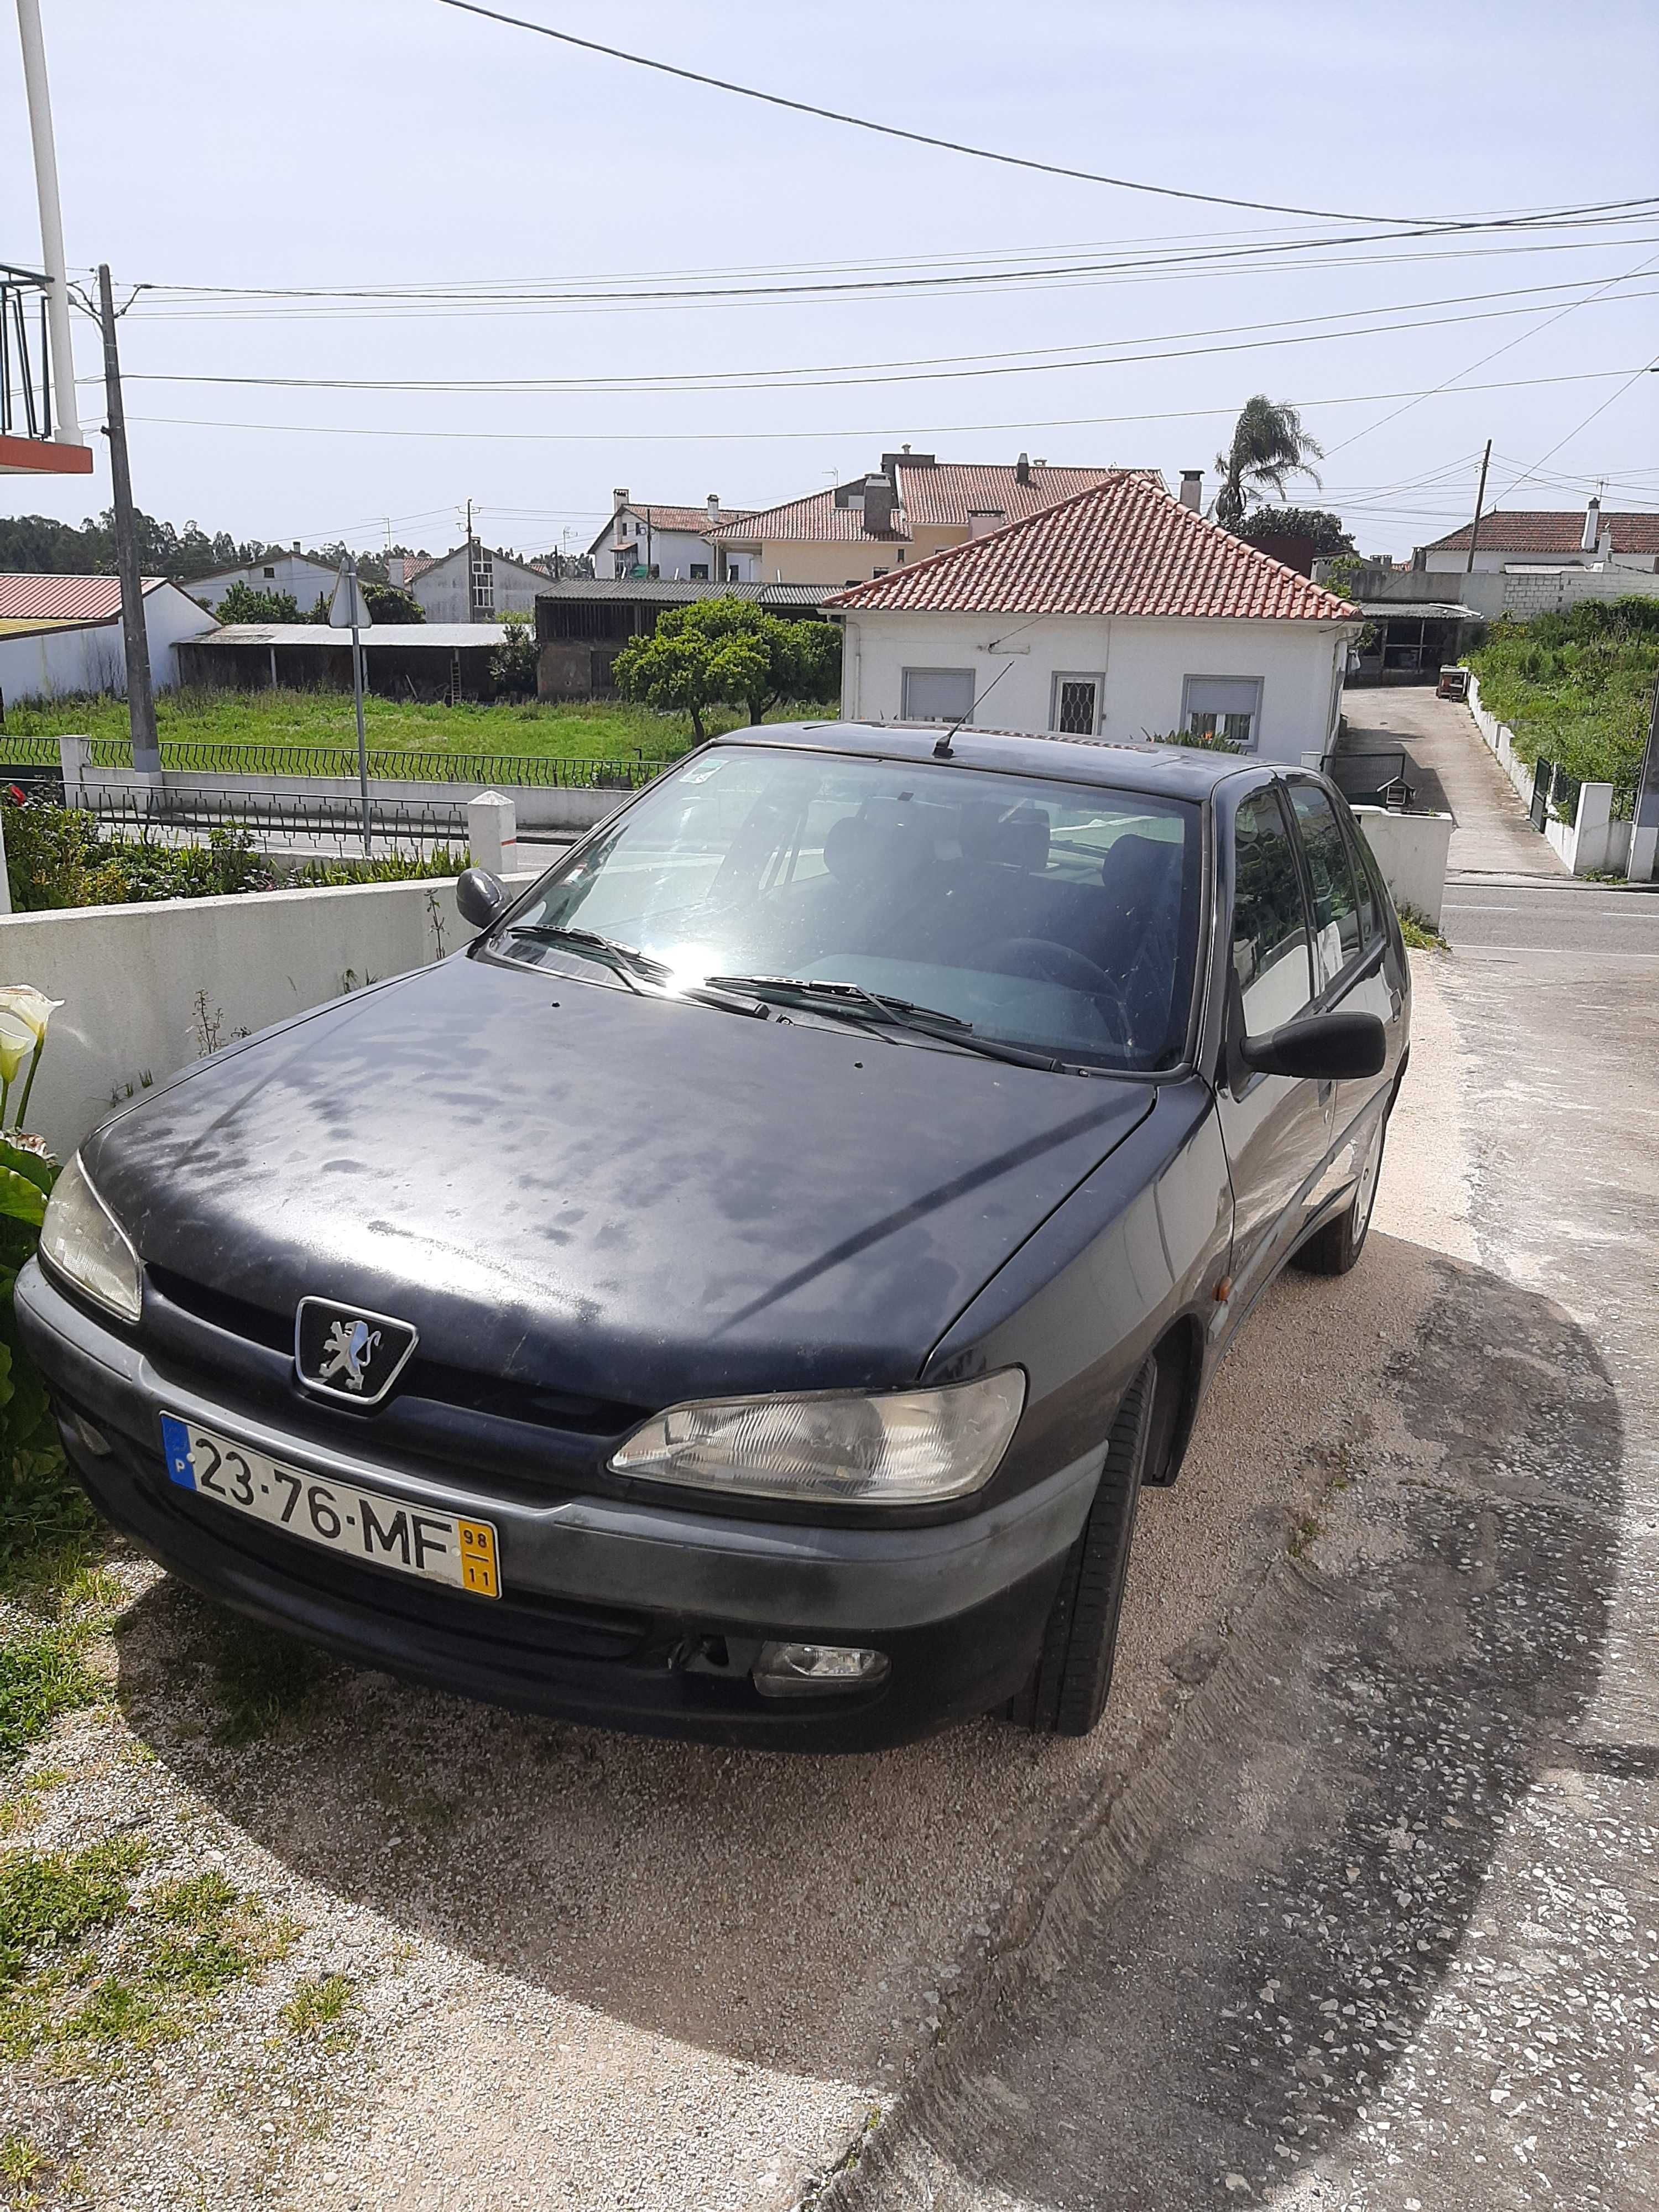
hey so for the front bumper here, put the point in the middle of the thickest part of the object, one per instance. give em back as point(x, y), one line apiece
point(613, 1612)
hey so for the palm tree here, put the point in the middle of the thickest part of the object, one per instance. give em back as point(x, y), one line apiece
point(1269, 444)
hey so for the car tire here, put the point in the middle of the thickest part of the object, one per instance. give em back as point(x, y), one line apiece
point(1067, 1690)
point(1334, 1249)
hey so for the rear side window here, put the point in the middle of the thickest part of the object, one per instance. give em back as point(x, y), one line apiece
point(1330, 871)
point(1370, 921)
point(1270, 949)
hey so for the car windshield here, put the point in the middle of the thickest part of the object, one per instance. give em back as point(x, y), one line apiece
point(1056, 917)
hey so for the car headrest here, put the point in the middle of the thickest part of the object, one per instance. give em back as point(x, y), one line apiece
point(1141, 871)
point(1017, 840)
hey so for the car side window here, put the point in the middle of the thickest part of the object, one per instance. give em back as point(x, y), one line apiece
point(1370, 923)
point(1270, 943)
point(1335, 899)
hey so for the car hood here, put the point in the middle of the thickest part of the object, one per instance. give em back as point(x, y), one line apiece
point(560, 1181)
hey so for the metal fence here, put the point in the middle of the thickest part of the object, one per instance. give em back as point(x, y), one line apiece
point(1554, 791)
point(521, 771)
point(330, 827)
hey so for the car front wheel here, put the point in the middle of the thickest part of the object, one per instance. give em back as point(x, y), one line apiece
point(1067, 1694)
point(1334, 1249)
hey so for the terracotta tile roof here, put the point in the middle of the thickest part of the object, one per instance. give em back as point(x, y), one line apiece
point(931, 495)
point(62, 598)
point(1539, 530)
point(694, 518)
point(1123, 547)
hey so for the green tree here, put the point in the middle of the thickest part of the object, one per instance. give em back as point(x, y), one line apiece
point(726, 651)
point(387, 603)
point(513, 662)
point(1269, 444)
point(242, 603)
point(1325, 529)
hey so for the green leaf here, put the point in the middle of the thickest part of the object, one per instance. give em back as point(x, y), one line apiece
point(20, 1198)
point(40, 1169)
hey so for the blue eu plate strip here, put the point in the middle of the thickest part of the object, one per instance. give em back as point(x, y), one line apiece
point(175, 1442)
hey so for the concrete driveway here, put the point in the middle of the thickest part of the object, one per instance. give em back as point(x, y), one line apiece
point(1494, 834)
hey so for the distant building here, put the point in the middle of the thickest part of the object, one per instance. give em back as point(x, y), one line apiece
point(61, 635)
point(1532, 538)
point(301, 573)
point(421, 660)
point(583, 623)
point(911, 507)
point(473, 584)
point(670, 543)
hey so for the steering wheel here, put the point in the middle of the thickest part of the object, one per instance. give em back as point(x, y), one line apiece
point(1043, 961)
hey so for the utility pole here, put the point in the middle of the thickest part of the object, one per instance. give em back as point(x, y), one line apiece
point(471, 570)
point(67, 427)
point(141, 703)
point(1479, 502)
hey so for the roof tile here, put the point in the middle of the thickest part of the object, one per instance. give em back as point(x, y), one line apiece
point(1540, 530)
point(1122, 547)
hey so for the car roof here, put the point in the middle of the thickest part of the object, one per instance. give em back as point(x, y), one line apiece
point(1178, 771)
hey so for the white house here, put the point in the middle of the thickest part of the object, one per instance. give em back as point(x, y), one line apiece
point(301, 575)
point(1520, 539)
point(61, 635)
point(474, 584)
point(668, 542)
point(1119, 614)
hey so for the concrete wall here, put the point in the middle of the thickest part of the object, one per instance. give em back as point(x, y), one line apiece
point(1144, 663)
point(146, 989)
point(1520, 593)
point(90, 657)
point(1411, 850)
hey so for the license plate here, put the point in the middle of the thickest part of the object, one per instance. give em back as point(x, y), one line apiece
point(360, 1524)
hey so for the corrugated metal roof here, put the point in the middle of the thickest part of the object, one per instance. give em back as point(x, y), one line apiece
point(669, 590)
point(440, 637)
point(1124, 547)
point(33, 598)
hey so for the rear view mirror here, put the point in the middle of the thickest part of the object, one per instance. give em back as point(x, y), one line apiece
point(479, 898)
point(1320, 1048)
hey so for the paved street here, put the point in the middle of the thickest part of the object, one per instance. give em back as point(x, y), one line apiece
point(1377, 1930)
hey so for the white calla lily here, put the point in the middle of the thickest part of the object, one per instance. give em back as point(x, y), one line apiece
point(30, 1006)
point(17, 1043)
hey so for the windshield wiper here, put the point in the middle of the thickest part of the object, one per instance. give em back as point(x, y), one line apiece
point(857, 1004)
point(638, 970)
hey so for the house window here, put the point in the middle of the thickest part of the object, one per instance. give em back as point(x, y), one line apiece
point(937, 695)
point(1075, 712)
point(700, 572)
point(1227, 707)
point(270, 572)
point(877, 572)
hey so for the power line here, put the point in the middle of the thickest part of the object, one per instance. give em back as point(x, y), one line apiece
point(850, 374)
point(866, 433)
point(1646, 369)
point(924, 138)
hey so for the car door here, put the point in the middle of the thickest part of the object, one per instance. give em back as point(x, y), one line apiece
point(1276, 1129)
point(1350, 969)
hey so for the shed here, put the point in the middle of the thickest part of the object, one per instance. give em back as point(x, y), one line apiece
point(414, 660)
point(583, 623)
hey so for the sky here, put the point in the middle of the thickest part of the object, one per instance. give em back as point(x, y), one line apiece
point(214, 150)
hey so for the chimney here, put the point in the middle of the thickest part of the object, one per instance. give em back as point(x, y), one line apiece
point(877, 505)
point(1592, 537)
point(1192, 490)
point(713, 507)
point(296, 544)
point(1022, 469)
point(618, 501)
point(983, 520)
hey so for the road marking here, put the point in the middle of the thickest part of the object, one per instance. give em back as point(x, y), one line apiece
point(1565, 951)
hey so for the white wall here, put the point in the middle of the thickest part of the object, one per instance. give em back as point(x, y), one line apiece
point(443, 590)
point(283, 572)
point(1411, 850)
point(91, 657)
point(1144, 662)
point(137, 981)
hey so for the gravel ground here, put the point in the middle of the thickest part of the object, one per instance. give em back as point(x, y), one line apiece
point(586, 1970)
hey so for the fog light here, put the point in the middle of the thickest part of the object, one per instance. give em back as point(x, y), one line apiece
point(796, 1670)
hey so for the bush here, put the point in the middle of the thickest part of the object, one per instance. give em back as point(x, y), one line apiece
point(1575, 687)
point(242, 603)
point(726, 651)
point(512, 663)
point(387, 603)
point(55, 857)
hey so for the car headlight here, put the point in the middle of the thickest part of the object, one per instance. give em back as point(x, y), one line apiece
point(81, 1240)
point(889, 1447)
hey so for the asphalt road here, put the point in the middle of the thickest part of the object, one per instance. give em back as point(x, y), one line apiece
point(1541, 916)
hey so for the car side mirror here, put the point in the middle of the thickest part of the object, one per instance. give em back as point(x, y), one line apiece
point(479, 898)
point(1320, 1048)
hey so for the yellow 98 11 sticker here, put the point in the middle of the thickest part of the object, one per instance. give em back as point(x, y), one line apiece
point(478, 1569)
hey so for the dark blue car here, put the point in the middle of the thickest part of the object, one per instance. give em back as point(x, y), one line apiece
point(744, 1292)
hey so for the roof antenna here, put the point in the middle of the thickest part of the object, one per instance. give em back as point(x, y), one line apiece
point(942, 749)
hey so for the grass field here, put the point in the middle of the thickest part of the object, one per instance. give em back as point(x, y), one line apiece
point(590, 729)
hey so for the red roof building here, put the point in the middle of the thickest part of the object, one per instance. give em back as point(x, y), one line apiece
point(1118, 612)
point(1543, 536)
